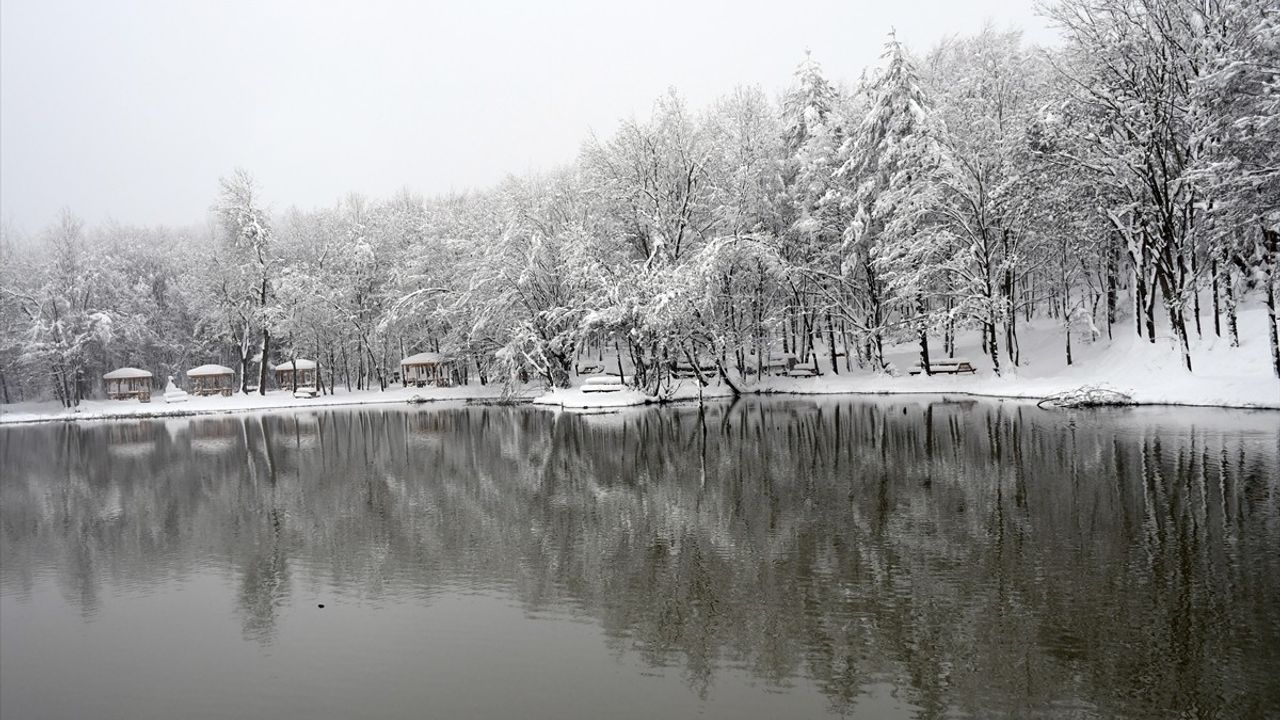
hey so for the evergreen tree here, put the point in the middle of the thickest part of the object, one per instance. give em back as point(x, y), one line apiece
point(890, 184)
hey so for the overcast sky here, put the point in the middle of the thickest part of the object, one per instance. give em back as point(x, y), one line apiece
point(132, 110)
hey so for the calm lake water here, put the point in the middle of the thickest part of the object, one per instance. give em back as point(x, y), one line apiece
point(770, 558)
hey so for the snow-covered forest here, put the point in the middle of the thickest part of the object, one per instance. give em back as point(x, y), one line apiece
point(1124, 181)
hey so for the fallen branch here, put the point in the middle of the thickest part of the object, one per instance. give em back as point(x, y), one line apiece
point(1087, 396)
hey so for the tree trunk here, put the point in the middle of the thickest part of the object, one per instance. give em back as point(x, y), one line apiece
point(848, 350)
point(1229, 299)
point(1271, 324)
point(1271, 246)
point(266, 336)
point(1017, 348)
point(1217, 309)
point(244, 370)
point(1139, 299)
point(1112, 282)
point(262, 366)
point(1151, 315)
point(329, 363)
point(1195, 285)
point(346, 367)
point(1176, 320)
point(949, 330)
point(831, 342)
point(994, 340)
point(1010, 314)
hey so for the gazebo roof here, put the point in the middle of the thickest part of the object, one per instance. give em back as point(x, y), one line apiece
point(210, 370)
point(127, 373)
point(426, 358)
point(302, 363)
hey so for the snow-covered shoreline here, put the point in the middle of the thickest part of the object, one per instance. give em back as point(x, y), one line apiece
point(1148, 373)
point(574, 399)
point(1227, 405)
point(95, 410)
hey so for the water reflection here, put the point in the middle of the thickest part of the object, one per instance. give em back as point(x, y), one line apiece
point(982, 559)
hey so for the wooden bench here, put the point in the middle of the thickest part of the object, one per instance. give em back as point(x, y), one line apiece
point(685, 370)
point(589, 368)
point(803, 370)
point(946, 367)
point(779, 363)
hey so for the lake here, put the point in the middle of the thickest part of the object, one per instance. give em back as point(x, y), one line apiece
point(882, 558)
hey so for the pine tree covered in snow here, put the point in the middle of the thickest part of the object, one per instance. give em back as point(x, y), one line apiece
point(890, 183)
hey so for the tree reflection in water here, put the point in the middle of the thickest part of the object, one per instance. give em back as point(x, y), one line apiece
point(984, 558)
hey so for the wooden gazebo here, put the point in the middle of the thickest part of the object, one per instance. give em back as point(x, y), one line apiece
point(212, 380)
point(427, 368)
point(127, 383)
point(305, 369)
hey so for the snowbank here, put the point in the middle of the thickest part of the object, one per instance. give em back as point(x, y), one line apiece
point(576, 398)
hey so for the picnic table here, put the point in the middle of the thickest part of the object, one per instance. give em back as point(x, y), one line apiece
point(803, 370)
point(953, 366)
point(780, 363)
point(684, 369)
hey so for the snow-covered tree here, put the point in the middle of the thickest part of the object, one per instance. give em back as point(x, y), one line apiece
point(247, 265)
point(989, 186)
point(1130, 67)
point(814, 121)
point(987, 92)
point(653, 176)
point(890, 184)
point(1236, 108)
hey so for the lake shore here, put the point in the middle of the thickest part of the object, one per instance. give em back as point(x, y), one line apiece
point(1144, 391)
point(1146, 373)
point(92, 410)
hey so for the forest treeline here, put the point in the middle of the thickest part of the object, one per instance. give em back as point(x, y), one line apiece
point(1127, 180)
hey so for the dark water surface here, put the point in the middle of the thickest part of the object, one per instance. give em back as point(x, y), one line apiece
point(776, 558)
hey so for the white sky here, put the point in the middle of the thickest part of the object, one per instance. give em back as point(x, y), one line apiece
point(132, 110)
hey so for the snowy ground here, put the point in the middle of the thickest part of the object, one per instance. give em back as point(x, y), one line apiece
point(276, 399)
point(1148, 373)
